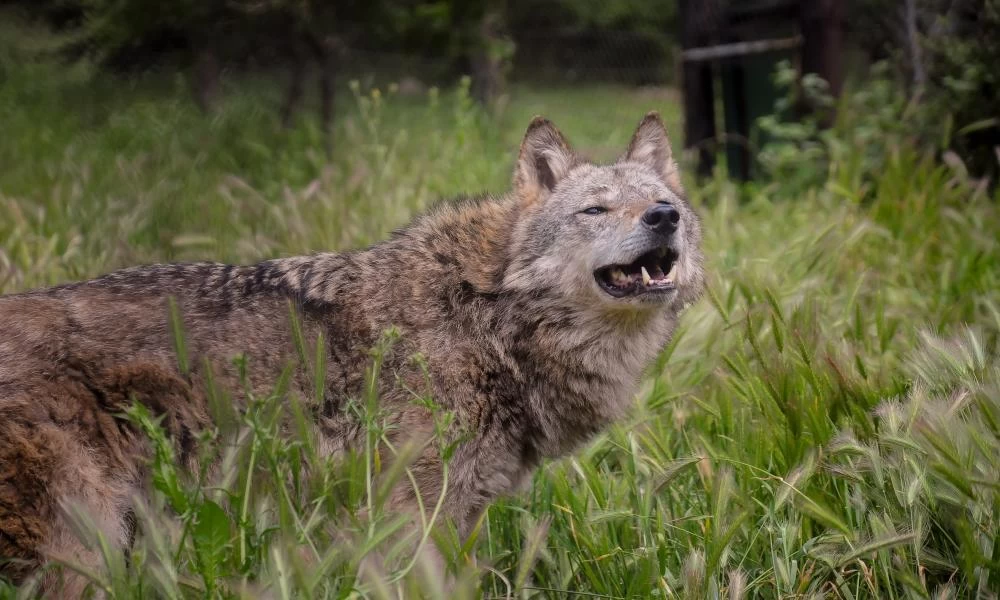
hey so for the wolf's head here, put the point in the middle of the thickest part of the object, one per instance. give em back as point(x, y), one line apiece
point(614, 238)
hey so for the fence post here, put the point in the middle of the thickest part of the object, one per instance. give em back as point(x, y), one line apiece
point(699, 96)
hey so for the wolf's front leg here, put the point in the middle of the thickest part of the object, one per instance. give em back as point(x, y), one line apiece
point(417, 495)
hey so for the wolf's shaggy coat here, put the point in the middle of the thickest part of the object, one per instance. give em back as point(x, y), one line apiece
point(497, 294)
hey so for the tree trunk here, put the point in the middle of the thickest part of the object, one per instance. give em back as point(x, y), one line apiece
point(293, 97)
point(488, 59)
point(913, 41)
point(329, 65)
point(822, 40)
point(698, 22)
point(207, 89)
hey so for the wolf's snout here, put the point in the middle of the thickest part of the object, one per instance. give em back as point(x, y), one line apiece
point(661, 218)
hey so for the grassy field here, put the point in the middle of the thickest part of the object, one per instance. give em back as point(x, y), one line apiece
point(826, 423)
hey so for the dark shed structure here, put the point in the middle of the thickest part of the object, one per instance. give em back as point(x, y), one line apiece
point(741, 42)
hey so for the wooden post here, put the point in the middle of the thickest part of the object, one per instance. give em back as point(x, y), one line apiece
point(822, 40)
point(699, 96)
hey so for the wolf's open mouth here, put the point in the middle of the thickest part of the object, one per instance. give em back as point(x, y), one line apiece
point(654, 271)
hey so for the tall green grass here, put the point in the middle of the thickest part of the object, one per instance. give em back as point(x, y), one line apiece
point(825, 423)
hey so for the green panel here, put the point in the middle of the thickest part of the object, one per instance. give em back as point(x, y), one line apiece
point(748, 93)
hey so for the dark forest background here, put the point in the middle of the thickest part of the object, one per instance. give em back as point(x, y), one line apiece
point(943, 53)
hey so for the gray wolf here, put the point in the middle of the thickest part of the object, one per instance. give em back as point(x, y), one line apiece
point(535, 313)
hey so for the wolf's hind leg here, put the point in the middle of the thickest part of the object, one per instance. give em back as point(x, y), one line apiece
point(44, 471)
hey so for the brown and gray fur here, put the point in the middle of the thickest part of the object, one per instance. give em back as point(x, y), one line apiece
point(496, 293)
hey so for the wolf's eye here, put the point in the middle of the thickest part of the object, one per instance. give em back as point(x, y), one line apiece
point(594, 210)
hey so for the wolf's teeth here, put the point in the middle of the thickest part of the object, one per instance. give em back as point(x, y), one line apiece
point(672, 274)
point(645, 276)
point(617, 275)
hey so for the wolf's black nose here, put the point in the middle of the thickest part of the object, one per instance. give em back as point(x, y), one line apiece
point(661, 218)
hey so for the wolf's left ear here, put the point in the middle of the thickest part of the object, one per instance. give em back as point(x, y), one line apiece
point(545, 158)
point(651, 147)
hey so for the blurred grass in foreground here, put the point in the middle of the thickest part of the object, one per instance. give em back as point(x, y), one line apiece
point(826, 422)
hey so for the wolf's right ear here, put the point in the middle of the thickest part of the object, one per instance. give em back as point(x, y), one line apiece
point(651, 146)
point(545, 158)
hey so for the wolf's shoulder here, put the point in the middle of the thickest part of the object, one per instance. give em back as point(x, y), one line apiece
point(457, 210)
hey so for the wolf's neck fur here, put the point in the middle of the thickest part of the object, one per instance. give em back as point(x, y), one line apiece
point(572, 370)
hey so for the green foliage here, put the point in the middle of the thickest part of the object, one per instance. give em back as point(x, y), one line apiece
point(627, 40)
point(871, 121)
point(444, 38)
point(630, 15)
point(966, 85)
point(122, 23)
point(824, 424)
point(947, 54)
point(848, 141)
point(29, 58)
